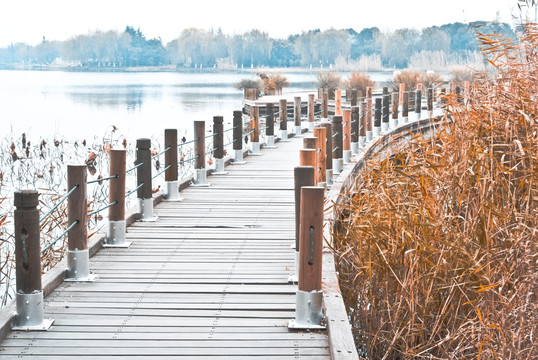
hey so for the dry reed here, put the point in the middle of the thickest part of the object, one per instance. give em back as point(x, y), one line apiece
point(437, 246)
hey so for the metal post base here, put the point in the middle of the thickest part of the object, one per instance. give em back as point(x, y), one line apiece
point(338, 166)
point(219, 167)
point(310, 126)
point(324, 120)
point(384, 127)
point(377, 131)
point(294, 276)
point(393, 123)
point(270, 142)
point(200, 178)
point(322, 184)
point(238, 158)
point(329, 176)
point(405, 119)
point(308, 311)
point(362, 142)
point(254, 149)
point(298, 131)
point(78, 266)
point(145, 209)
point(347, 156)
point(354, 148)
point(30, 313)
point(369, 136)
point(116, 235)
point(284, 135)
point(172, 191)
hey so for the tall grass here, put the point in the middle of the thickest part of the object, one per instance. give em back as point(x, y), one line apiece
point(437, 246)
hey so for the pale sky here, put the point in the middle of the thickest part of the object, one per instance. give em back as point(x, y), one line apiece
point(29, 20)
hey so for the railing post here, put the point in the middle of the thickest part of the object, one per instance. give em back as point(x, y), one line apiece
point(29, 297)
point(320, 133)
point(218, 145)
point(309, 155)
point(418, 103)
point(297, 115)
point(170, 159)
point(401, 94)
point(362, 123)
point(143, 180)
point(255, 131)
point(200, 173)
point(337, 102)
point(303, 176)
point(283, 110)
point(116, 213)
point(355, 129)
point(311, 112)
point(369, 120)
point(385, 112)
point(270, 127)
point(78, 257)
point(337, 150)
point(325, 107)
point(395, 105)
point(467, 90)
point(405, 107)
point(429, 100)
point(238, 137)
point(459, 98)
point(346, 136)
point(353, 100)
point(328, 152)
point(308, 311)
point(377, 116)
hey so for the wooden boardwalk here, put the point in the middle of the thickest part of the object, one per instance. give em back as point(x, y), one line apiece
point(209, 279)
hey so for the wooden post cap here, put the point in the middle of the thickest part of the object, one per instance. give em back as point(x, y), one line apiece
point(25, 199)
point(143, 144)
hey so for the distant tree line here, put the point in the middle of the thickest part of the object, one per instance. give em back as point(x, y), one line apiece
point(197, 48)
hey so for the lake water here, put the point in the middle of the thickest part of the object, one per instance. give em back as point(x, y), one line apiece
point(77, 105)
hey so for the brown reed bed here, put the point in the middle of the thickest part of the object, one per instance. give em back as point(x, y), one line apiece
point(437, 248)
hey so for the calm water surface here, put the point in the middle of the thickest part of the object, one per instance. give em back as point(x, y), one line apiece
point(77, 105)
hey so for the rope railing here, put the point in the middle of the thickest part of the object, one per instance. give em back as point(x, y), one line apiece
point(58, 203)
point(190, 159)
point(188, 142)
point(52, 243)
point(230, 143)
point(134, 167)
point(102, 179)
point(161, 153)
point(211, 151)
point(102, 209)
point(134, 190)
point(162, 171)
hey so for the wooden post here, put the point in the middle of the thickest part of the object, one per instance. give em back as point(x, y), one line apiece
point(405, 107)
point(311, 239)
point(325, 106)
point(338, 145)
point(144, 179)
point(238, 137)
point(297, 115)
point(77, 207)
point(346, 136)
point(386, 111)
point(170, 157)
point(311, 104)
point(355, 125)
point(459, 98)
point(218, 145)
point(270, 120)
point(255, 124)
point(283, 110)
point(116, 212)
point(395, 104)
point(29, 295)
point(311, 143)
point(338, 102)
point(418, 102)
point(328, 151)
point(377, 117)
point(200, 174)
point(369, 114)
point(143, 172)
point(401, 93)
point(385, 90)
point(467, 89)
point(353, 101)
point(27, 242)
point(430, 99)
point(362, 124)
point(320, 133)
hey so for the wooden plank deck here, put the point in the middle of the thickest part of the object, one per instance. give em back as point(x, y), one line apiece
point(208, 280)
